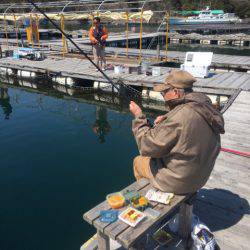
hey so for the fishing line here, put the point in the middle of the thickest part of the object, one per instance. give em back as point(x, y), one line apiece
point(126, 95)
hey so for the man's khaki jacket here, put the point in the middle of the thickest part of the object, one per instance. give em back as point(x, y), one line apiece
point(183, 147)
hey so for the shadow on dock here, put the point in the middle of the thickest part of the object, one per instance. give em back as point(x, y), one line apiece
point(220, 209)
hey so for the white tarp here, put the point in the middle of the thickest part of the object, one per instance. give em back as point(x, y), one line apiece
point(108, 15)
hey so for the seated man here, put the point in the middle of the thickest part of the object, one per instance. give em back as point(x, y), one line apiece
point(178, 153)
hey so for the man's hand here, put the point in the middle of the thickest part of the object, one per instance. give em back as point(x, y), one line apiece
point(135, 109)
point(159, 119)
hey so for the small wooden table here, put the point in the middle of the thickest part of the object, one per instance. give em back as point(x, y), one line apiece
point(128, 236)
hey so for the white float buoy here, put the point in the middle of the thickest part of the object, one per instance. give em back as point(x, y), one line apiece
point(60, 88)
point(28, 84)
point(6, 71)
point(26, 74)
point(115, 100)
point(104, 86)
point(153, 95)
point(69, 81)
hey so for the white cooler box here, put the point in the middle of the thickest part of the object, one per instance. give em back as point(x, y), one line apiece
point(197, 63)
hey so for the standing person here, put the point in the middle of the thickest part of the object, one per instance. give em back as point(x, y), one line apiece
point(178, 153)
point(98, 35)
point(101, 126)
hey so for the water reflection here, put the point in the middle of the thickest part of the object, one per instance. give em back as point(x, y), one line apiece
point(102, 102)
point(101, 126)
point(5, 102)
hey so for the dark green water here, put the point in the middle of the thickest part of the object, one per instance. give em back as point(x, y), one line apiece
point(53, 167)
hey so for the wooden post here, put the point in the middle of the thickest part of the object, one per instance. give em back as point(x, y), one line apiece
point(158, 52)
point(64, 42)
point(185, 219)
point(103, 241)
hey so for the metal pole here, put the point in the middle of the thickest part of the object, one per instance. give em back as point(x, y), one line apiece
point(140, 57)
point(92, 17)
point(6, 33)
point(63, 37)
point(127, 34)
point(38, 34)
point(15, 23)
point(167, 33)
point(31, 31)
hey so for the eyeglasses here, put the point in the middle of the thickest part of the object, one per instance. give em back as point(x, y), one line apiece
point(163, 93)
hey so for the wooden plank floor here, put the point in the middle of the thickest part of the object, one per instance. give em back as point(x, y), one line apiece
point(80, 68)
point(226, 61)
point(179, 56)
point(219, 60)
point(223, 204)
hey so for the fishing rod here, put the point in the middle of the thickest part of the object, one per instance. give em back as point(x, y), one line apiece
point(85, 54)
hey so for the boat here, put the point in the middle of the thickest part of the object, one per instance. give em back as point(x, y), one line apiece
point(207, 16)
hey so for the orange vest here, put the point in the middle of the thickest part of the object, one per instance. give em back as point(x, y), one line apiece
point(94, 33)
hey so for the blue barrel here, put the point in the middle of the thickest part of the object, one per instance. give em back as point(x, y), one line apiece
point(26, 22)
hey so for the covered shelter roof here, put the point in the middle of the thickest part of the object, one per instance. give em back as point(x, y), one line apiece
point(81, 9)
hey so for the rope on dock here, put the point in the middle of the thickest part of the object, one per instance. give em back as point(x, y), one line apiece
point(236, 152)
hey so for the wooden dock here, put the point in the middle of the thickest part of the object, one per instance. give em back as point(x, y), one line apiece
point(116, 44)
point(223, 204)
point(221, 83)
point(212, 28)
point(119, 39)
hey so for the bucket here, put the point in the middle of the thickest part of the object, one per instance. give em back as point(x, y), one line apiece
point(145, 66)
point(118, 69)
point(156, 71)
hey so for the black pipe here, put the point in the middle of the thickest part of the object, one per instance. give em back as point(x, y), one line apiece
point(81, 51)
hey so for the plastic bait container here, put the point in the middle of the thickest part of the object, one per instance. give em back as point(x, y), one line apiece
point(140, 203)
point(115, 200)
point(130, 195)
